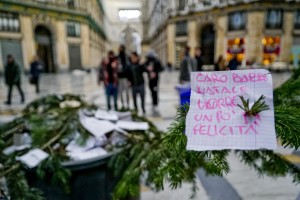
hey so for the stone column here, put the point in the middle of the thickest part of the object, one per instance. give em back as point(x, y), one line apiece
point(85, 46)
point(62, 50)
point(28, 42)
point(221, 40)
point(171, 43)
point(255, 28)
point(287, 37)
point(193, 34)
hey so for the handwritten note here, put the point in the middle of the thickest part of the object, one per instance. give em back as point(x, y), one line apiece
point(215, 122)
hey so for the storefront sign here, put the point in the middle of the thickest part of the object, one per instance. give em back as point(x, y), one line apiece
point(215, 121)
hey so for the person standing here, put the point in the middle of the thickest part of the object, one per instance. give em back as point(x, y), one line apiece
point(124, 63)
point(220, 64)
point(36, 68)
point(169, 66)
point(199, 59)
point(13, 77)
point(110, 79)
point(153, 67)
point(137, 81)
point(188, 65)
point(233, 63)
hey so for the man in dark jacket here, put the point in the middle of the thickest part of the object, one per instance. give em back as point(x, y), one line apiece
point(36, 68)
point(136, 80)
point(188, 65)
point(233, 63)
point(124, 63)
point(13, 77)
point(153, 67)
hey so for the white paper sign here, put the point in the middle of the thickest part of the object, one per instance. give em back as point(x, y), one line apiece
point(214, 120)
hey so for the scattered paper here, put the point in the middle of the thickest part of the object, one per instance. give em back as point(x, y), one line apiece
point(96, 127)
point(70, 104)
point(33, 158)
point(130, 125)
point(11, 149)
point(20, 139)
point(117, 139)
point(214, 120)
point(90, 143)
point(124, 116)
point(106, 115)
point(93, 153)
point(75, 147)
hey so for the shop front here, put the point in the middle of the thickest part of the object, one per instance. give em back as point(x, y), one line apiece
point(236, 33)
point(271, 49)
point(236, 46)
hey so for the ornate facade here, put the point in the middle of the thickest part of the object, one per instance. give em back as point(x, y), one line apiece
point(66, 34)
point(262, 31)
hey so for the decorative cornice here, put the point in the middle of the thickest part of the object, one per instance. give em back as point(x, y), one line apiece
point(216, 11)
point(101, 6)
point(59, 13)
point(95, 26)
point(44, 7)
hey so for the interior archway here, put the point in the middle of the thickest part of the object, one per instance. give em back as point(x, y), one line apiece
point(43, 38)
point(208, 44)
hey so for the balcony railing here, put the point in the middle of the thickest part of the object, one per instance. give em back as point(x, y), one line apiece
point(199, 5)
point(57, 4)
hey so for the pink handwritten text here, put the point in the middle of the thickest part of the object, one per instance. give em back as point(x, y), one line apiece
point(214, 130)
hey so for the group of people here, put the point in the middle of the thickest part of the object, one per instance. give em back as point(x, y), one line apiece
point(122, 73)
point(190, 64)
point(13, 74)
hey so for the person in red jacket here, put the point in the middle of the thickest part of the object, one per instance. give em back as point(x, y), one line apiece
point(110, 79)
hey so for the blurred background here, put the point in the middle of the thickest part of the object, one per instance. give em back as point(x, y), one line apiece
point(72, 37)
point(76, 34)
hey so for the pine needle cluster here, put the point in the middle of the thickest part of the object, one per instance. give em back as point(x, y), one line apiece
point(258, 106)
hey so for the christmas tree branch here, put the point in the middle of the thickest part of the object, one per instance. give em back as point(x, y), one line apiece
point(287, 125)
point(10, 170)
point(258, 106)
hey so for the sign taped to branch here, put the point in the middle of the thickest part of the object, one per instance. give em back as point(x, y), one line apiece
point(216, 122)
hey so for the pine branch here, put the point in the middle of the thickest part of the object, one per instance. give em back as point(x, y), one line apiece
point(34, 119)
point(258, 106)
point(287, 125)
point(268, 163)
point(288, 93)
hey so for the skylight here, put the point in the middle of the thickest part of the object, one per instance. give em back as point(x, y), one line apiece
point(129, 14)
